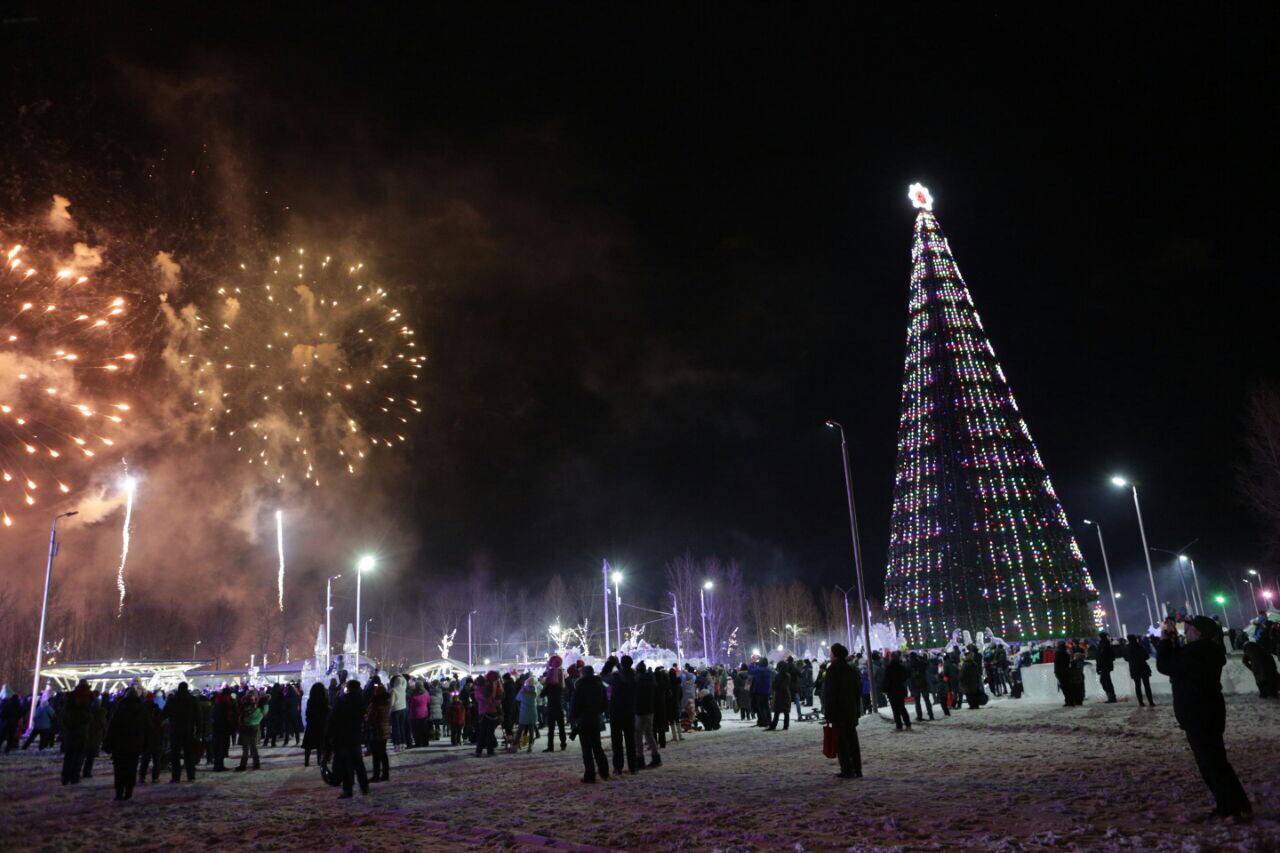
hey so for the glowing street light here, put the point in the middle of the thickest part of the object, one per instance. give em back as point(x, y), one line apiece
point(1107, 566)
point(364, 564)
point(1222, 602)
point(702, 595)
point(617, 603)
point(1121, 482)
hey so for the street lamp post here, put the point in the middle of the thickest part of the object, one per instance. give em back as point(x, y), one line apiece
point(328, 619)
point(1195, 579)
point(44, 612)
point(1151, 619)
point(1142, 531)
point(1222, 602)
point(1106, 565)
point(848, 624)
point(1253, 596)
point(193, 648)
point(617, 603)
point(366, 636)
point(675, 611)
point(604, 572)
point(363, 565)
point(857, 557)
point(702, 595)
point(470, 667)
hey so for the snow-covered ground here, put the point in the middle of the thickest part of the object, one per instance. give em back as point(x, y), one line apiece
point(1010, 776)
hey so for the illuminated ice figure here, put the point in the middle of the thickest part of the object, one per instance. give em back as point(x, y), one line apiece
point(322, 644)
point(349, 646)
point(446, 643)
point(883, 636)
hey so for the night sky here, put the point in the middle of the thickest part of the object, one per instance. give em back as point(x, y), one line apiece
point(650, 253)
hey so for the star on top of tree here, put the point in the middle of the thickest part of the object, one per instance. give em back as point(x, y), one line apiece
point(920, 197)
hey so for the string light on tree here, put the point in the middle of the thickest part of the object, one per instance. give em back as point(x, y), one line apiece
point(978, 538)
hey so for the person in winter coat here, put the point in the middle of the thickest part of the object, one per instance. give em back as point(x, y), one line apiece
point(673, 703)
point(252, 713)
point(621, 679)
point(553, 680)
point(204, 725)
point(1139, 670)
point(436, 712)
point(781, 697)
point(528, 712)
point(10, 720)
point(742, 692)
point(378, 718)
point(896, 677)
point(488, 698)
point(935, 685)
point(971, 681)
point(42, 724)
point(226, 717)
point(77, 716)
point(184, 717)
point(97, 731)
point(399, 712)
point(1263, 666)
point(585, 709)
point(1106, 664)
point(153, 745)
point(1195, 674)
point(125, 737)
point(342, 738)
point(841, 691)
point(510, 705)
point(646, 689)
point(919, 669)
point(761, 688)
point(709, 711)
point(660, 705)
point(420, 714)
point(317, 719)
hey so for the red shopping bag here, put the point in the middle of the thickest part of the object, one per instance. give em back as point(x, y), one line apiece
point(830, 741)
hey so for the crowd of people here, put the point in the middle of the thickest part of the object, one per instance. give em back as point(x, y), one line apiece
point(643, 708)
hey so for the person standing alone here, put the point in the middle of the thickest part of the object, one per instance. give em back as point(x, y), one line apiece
point(1106, 664)
point(840, 705)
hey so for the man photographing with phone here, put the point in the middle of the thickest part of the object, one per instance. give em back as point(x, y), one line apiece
point(1195, 674)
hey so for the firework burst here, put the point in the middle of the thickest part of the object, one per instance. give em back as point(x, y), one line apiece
point(303, 365)
point(62, 358)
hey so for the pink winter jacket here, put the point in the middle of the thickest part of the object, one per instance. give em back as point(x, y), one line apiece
point(420, 706)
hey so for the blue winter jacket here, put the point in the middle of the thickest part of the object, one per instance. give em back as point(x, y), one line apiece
point(761, 679)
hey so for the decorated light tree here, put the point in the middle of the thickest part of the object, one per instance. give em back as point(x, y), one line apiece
point(978, 538)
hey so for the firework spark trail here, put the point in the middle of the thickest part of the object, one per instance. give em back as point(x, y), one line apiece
point(129, 487)
point(280, 551)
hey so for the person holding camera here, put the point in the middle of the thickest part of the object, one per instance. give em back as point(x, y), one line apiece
point(1195, 674)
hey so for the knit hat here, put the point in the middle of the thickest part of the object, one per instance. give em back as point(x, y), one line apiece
point(1208, 628)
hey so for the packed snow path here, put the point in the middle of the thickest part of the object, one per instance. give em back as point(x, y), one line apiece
point(1009, 776)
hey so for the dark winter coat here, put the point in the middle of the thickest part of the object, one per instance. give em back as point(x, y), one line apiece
point(970, 676)
point(182, 714)
point(659, 700)
point(127, 731)
point(895, 679)
point(1137, 657)
point(379, 715)
point(1106, 656)
point(1261, 663)
point(1195, 674)
point(919, 674)
point(77, 716)
point(841, 694)
point(622, 690)
point(97, 727)
point(317, 719)
point(342, 729)
point(645, 687)
point(782, 687)
point(588, 703)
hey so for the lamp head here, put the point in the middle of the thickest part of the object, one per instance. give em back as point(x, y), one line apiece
point(1182, 558)
point(1086, 521)
point(832, 424)
point(708, 585)
point(1253, 571)
point(617, 577)
point(1220, 599)
point(1117, 595)
point(1119, 481)
point(366, 563)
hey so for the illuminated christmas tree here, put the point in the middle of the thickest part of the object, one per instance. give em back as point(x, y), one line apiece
point(979, 538)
